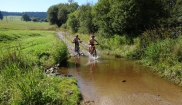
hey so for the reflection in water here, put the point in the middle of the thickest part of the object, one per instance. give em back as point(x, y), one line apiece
point(77, 64)
point(101, 81)
point(92, 64)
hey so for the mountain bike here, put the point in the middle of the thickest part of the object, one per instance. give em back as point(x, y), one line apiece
point(77, 48)
point(93, 51)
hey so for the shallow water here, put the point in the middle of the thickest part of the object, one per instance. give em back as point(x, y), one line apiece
point(111, 81)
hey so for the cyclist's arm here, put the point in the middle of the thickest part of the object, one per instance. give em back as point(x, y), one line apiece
point(79, 40)
point(89, 42)
point(73, 41)
point(96, 41)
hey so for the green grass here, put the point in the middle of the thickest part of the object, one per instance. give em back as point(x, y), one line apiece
point(165, 57)
point(17, 24)
point(26, 49)
point(34, 88)
point(116, 46)
point(34, 43)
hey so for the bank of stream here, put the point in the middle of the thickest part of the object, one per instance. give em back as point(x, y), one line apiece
point(119, 81)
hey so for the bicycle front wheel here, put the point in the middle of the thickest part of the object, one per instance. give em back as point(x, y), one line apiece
point(95, 53)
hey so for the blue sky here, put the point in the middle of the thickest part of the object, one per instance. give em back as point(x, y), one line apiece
point(34, 5)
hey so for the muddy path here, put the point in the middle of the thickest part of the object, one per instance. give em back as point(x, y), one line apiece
point(119, 82)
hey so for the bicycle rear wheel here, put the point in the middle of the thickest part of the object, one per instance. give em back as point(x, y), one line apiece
point(77, 50)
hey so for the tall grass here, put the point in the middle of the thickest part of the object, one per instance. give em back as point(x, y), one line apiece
point(34, 88)
point(116, 45)
point(162, 50)
point(23, 54)
point(41, 46)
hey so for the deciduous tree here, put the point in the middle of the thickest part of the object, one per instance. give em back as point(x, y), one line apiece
point(25, 17)
point(73, 22)
point(58, 14)
point(85, 19)
point(52, 14)
point(129, 17)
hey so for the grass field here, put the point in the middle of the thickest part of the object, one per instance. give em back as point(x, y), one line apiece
point(15, 23)
point(27, 48)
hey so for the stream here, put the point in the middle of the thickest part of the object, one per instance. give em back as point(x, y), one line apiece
point(119, 81)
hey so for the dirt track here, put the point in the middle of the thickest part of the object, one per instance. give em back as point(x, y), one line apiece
point(65, 37)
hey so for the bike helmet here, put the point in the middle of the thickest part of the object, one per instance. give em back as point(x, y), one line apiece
point(92, 36)
point(76, 35)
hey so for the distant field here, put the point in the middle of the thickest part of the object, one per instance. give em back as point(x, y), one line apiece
point(12, 18)
point(15, 23)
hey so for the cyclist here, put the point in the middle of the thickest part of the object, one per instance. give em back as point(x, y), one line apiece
point(76, 40)
point(91, 43)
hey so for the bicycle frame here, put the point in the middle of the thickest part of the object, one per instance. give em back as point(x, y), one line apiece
point(92, 50)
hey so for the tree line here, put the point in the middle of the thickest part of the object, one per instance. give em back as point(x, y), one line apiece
point(30, 14)
point(27, 16)
point(117, 17)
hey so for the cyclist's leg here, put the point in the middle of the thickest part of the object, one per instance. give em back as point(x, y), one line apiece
point(75, 47)
point(78, 50)
point(92, 49)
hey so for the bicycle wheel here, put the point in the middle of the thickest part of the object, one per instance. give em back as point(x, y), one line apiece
point(95, 53)
point(89, 50)
point(78, 50)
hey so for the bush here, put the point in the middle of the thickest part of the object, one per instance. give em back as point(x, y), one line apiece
point(159, 52)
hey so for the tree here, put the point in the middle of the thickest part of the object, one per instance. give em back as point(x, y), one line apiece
point(62, 15)
point(73, 22)
point(128, 17)
point(52, 14)
point(174, 10)
point(72, 7)
point(58, 14)
point(36, 19)
point(70, 1)
point(25, 17)
point(101, 19)
point(85, 19)
point(1, 15)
